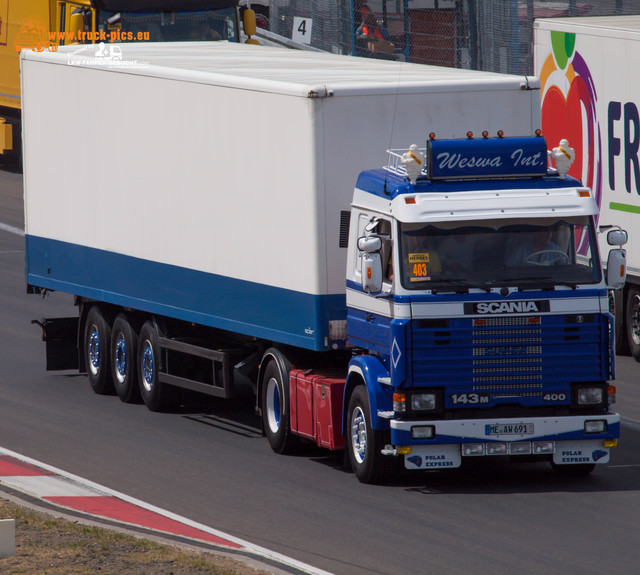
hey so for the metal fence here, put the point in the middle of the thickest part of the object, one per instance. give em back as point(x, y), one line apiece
point(491, 35)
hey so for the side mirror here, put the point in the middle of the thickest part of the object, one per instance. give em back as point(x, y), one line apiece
point(616, 268)
point(371, 272)
point(617, 237)
point(249, 25)
point(76, 25)
point(371, 262)
point(369, 244)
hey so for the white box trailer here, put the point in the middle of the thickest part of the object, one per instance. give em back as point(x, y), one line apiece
point(590, 92)
point(206, 181)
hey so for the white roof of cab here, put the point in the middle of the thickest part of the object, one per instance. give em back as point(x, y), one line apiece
point(279, 70)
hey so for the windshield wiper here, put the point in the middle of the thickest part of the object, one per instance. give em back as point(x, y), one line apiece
point(458, 282)
point(544, 282)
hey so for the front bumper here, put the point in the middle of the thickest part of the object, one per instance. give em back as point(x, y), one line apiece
point(562, 438)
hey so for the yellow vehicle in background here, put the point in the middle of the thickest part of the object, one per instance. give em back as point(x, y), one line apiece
point(46, 24)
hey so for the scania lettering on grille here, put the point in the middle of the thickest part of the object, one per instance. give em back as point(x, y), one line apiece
point(497, 307)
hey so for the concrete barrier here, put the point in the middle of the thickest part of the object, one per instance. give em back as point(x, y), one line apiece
point(7, 537)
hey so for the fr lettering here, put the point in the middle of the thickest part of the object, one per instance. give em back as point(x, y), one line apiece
point(628, 145)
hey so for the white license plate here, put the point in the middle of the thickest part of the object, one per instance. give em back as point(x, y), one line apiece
point(509, 429)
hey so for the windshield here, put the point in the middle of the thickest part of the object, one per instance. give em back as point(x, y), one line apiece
point(532, 254)
point(168, 26)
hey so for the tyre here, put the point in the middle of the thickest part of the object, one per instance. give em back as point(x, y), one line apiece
point(156, 396)
point(275, 409)
point(574, 470)
point(124, 349)
point(632, 321)
point(365, 444)
point(97, 338)
point(616, 307)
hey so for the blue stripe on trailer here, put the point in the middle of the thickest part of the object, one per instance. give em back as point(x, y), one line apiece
point(256, 310)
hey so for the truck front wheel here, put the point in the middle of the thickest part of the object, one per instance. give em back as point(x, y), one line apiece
point(157, 396)
point(275, 410)
point(632, 320)
point(124, 344)
point(97, 337)
point(364, 443)
point(573, 470)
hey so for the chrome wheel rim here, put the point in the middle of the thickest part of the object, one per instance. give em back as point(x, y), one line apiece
point(359, 434)
point(273, 407)
point(121, 358)
point(147, 366)
point(94, 351)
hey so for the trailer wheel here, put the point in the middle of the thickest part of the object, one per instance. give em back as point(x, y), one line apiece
point(124, 348)
point(632, 320)
point(97, 337)
point(156, 396)
point(275, 410)
point(365, 443)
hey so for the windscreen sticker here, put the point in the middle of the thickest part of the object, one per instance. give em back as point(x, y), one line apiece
point(420, 267)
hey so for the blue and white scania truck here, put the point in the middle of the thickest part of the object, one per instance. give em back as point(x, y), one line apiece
point(206, 246)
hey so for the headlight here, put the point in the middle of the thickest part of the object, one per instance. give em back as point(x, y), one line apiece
point(423, 432)
point(424, 401)
point(595, 426)
point(590, 395)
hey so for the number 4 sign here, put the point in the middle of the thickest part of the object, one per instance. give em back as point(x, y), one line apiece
point(302, 30)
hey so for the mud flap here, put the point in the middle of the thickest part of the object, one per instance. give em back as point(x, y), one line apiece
point(61, 338)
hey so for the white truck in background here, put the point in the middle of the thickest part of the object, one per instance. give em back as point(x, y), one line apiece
point(225, 246)
point(590, 90)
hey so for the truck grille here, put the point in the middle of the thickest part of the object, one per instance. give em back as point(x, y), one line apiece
point(509, 356)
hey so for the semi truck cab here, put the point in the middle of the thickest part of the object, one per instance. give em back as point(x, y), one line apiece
point(476, 299)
